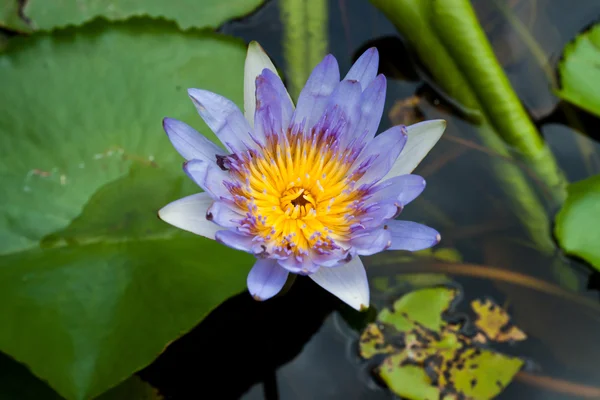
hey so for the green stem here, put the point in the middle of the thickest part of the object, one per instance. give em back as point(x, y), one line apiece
point(304, 39)
point(450, 42)
point(464, 65)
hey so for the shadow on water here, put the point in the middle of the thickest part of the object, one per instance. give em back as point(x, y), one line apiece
point(296, 347)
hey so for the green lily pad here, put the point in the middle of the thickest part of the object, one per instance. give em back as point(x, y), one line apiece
point(17, 383)
point(577, 228)
point(427, 358)
point(579, 71)
point(47, 15)
point(93, 285)
point(10, 18)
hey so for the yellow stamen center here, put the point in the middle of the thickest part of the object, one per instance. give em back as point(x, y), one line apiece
point(299, 194)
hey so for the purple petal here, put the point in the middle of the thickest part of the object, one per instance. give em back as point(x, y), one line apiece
point(274, 108)
point(266, 279)
point(236, 240)
point(330, 259)
point(313, 97)
point(371, 108)
point(365, 68)
point(407, 235)
point(372, 242)
point(342, 112)
point(298, 264)
point(224, 118)
point(189, 143)
point(379, 155)
point(378, 213)
point(347, 282)
point(256, 61)
point(189, 214)
point(209, 177)
point(401, 189)
point(222, 214)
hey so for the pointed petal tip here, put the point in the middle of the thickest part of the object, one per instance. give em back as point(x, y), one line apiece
point(347, 282)
point(196, 94)
point(254, 45)
point(363, 308)
point(266, 279)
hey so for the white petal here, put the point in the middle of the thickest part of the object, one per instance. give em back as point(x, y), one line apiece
point(256, 61)
point(348, 282)
point(189, 214)
point(421, 138)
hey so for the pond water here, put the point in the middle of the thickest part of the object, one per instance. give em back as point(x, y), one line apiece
point(301, 346)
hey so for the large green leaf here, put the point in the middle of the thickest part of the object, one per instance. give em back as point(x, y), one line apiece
point(580, 71)
point(10, 18)
point(47, 15)
point(17, 383)
point(92, 284)
point(577, 228)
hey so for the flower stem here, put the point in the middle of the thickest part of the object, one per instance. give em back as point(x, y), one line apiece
point(450, 42)
point(304, 39)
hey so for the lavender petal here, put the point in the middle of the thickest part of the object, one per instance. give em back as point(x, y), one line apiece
point(222, 214)
point(236, 240)
point(313, 97)
point(256, 61)
point(365, 68)
point(274, 108)
point(224, 118)
point(189, 143)
point(371, 108)
point(400, 189)
point(209, 177)
point(372, 242)
point(412, 236)
point(380, 154)
point(266, 279)
point(342, 112)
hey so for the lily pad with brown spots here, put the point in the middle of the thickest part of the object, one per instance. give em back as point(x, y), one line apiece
point(427, 358)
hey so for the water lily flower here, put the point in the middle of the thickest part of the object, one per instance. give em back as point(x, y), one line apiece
point(305, 189)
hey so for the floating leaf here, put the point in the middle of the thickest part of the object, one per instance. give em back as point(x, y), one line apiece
point(494, 322)
point(579, 72)
point(372, 342)
point(17, 383)
point(92, 285)
point(577, 228)
point(429, 358)
point(424, 307)
point(47, 15)
point(10, 18)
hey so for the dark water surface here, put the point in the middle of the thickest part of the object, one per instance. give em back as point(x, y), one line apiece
point(300, 347)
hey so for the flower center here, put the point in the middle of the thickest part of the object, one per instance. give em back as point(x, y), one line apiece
point(298, 192)
point(297, 202)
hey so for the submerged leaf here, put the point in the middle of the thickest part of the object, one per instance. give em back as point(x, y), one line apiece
point(430, 358)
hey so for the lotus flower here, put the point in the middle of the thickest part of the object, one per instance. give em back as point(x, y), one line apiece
point(305, 189)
